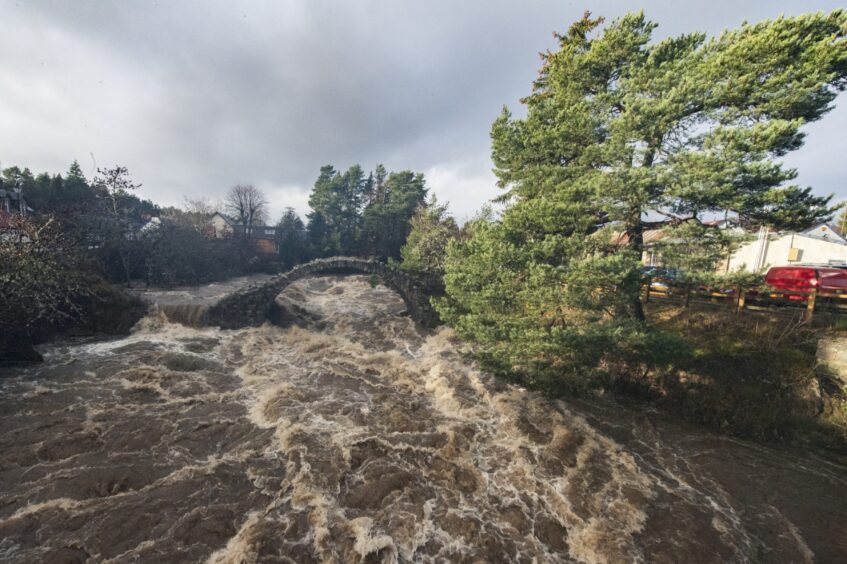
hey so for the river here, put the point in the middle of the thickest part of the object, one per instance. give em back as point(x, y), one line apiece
point(353, 436)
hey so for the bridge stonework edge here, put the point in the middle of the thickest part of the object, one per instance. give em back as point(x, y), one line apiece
point(252, 305)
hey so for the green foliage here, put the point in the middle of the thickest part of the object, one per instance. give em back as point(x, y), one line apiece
point(386, 217)
point(336, 201)
point(432, 228)
point(619, 129)
point(73, 195)
point(550, 327)
point(40, 276)
point(694, 249)
point(179, 255)
point(354, 214)
point(291, 233)
point(745, 377)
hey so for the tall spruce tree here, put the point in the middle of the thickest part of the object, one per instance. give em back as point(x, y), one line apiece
point(622, 135)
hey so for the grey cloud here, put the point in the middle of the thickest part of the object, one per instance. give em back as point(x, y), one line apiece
point(194, 97)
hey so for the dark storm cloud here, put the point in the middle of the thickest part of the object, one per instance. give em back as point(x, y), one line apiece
point(194, 97)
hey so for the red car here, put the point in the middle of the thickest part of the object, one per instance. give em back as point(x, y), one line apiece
point(804, 278)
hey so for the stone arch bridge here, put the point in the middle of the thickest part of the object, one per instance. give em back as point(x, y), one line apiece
point(254, 304)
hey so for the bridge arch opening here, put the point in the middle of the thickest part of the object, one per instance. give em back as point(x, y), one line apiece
point(255, 304)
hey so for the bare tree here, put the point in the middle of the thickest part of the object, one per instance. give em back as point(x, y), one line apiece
point(247, 204)
point(197, 213)
point(115, 184)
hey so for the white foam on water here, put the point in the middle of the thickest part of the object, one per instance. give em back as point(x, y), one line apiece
point(357, 436)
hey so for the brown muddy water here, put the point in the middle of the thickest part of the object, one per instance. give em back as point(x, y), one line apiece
point(357, 438)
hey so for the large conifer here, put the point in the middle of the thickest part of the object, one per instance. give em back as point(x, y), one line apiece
point(622, 135)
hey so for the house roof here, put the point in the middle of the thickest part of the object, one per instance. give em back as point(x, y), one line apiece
point(824, 231)
point(230, 220)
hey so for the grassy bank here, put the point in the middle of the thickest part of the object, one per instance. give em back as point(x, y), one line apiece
point(753, 376)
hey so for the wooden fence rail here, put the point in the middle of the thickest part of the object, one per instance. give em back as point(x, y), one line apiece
point(758, 298)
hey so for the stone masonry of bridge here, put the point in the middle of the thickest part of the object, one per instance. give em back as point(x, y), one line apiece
point(254, 304)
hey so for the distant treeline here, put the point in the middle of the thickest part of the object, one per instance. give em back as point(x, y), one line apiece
point(352, 213)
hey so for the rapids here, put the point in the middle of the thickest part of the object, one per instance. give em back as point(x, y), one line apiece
point(352, 436)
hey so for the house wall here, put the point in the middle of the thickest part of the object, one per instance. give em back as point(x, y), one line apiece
point(777, 248)
point(220, 226)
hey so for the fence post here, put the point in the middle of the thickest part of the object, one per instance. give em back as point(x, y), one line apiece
point(687, 295)
point(810, 304)
point(739, 307)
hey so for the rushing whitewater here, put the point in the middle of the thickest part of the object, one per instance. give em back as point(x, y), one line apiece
point(352, 436)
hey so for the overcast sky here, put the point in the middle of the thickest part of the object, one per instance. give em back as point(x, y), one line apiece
point(196, 96)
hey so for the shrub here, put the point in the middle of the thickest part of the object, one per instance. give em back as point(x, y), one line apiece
point(40, 284)
point(747, 376)
point(178, 255)
point(39, 276)
point(432, 228)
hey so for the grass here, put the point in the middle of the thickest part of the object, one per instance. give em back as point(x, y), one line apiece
point(752, 376)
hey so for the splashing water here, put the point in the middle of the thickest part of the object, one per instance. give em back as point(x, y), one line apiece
point(352, 436)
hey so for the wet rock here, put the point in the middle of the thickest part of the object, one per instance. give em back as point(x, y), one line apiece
point(288, 310)
point(18, 352)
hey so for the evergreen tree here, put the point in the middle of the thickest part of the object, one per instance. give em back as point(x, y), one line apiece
point(431, 229)
point(380, 193)
point(336, 203)
point(291, 235)
point(40, 196)
point(619, 130)
point(385, 222)
point(318, 235)
point(76, 192)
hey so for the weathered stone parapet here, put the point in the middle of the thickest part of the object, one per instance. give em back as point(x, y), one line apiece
point(252, 305)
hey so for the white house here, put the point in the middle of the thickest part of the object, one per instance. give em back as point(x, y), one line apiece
point(819, 244)
point(221, 225)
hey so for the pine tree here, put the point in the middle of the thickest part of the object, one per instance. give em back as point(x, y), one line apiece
point(620, 131)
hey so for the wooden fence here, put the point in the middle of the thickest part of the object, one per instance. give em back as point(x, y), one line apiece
point(753, 298)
